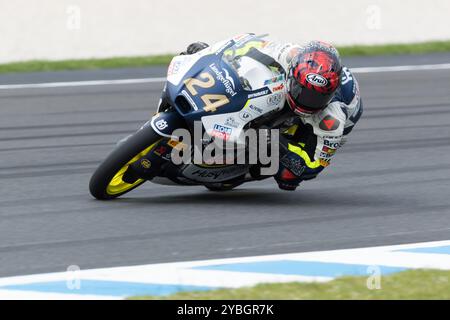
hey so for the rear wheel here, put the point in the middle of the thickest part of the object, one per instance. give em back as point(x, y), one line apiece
point(106, 183)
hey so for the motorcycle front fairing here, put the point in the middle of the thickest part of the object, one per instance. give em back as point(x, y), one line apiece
point(223, 88)
point(225, 94)
point(209, 87)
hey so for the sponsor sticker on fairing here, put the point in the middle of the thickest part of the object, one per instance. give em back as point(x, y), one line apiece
point(231, 121)
point(227, 80)
point(191, 101)
point(213, 174)
point(174, 67)
point(222, 132)
point(278, 88)
point(244, 115)
point(177, 145)
point(256, 109)
point(274, 99)
point(146, 164)
point(161, 124)
point(259, 93)
point(274, 80)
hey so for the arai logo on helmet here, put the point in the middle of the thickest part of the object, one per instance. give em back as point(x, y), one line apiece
point(316, 80)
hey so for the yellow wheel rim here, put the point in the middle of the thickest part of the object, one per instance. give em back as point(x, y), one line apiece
point(117, 185)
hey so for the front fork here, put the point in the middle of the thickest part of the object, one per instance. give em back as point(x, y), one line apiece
point(150, 165)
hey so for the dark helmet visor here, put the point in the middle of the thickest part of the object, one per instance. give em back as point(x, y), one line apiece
point(307, 99)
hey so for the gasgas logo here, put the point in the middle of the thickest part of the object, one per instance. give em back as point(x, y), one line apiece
point(316, 80)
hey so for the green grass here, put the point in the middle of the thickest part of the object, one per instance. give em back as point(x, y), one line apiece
point(411, 284)
point(85, 64)
point(127, 62)
point(393, 49)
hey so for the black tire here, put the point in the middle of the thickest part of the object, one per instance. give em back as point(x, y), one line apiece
point(117, 159)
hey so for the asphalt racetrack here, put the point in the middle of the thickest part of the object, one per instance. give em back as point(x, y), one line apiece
point(388, 185)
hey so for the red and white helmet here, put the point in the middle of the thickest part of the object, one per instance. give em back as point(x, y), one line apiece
point(314, 76)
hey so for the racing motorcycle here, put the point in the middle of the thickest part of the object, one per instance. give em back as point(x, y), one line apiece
point(229, 88)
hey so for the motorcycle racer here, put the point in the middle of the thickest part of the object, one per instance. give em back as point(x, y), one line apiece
point(324, 96)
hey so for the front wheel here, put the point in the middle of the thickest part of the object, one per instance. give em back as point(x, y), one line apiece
point(106, 183)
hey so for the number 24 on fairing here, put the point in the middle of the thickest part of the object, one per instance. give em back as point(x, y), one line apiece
point(211, 101)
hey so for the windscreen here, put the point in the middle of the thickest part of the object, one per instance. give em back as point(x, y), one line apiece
point(247, 60)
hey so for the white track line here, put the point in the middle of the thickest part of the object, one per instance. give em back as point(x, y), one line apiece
point(79, 83)
point(442, 66)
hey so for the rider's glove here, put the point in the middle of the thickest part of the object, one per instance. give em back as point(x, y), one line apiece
point(293, 170)
point(194, 48)
point(290, 172)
